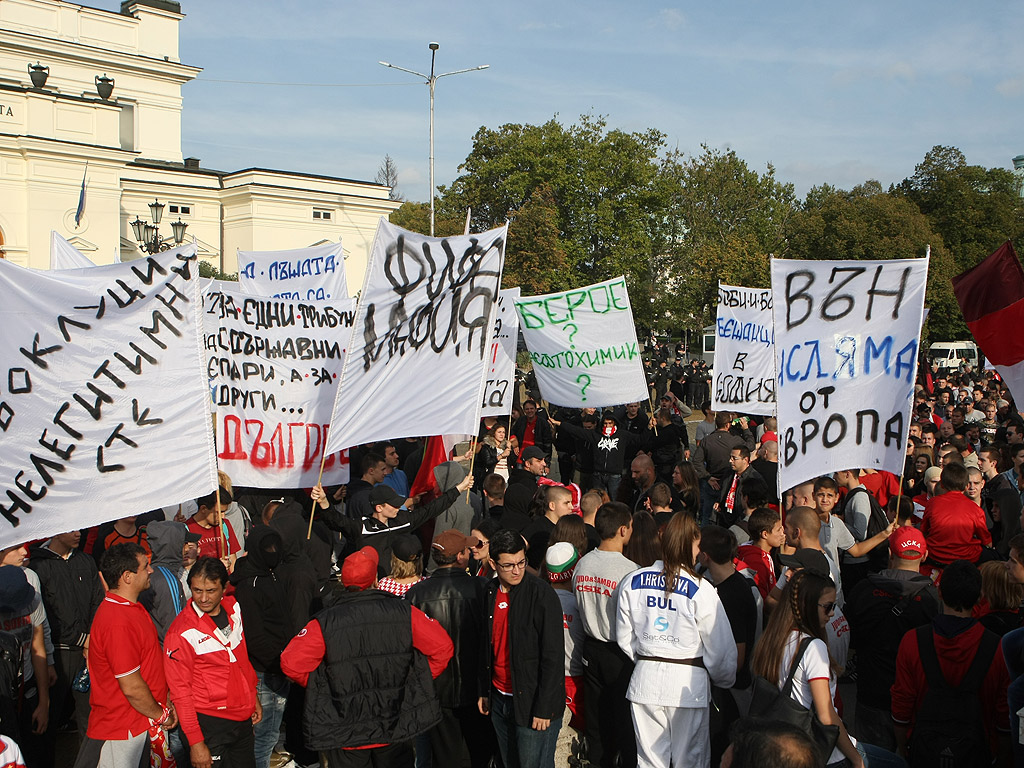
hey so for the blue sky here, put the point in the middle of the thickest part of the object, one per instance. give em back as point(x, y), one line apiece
point(827, 92)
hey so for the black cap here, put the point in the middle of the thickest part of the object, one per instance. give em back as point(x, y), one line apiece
point(533, 452)
point(406, 547)
point(16, 594)
point(812, 560)
point(385, 494)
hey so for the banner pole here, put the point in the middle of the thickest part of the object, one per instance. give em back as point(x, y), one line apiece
point(320, 477)
point(472, 460)
point(650, 401)
point(222, 543)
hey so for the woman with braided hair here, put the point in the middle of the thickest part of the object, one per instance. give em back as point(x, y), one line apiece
point(806, 605)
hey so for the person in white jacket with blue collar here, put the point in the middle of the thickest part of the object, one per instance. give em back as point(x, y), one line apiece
point(672, 625)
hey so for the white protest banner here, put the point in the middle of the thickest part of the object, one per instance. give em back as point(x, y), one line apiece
point(104, 406)
point(425, 319)
point(273, 367)
point(583, 345)
point(499, 387)
point(63, 255)
point(744, 369)
point(846, 342)
point(303, 274)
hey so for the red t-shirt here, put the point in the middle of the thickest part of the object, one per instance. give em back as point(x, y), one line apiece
point(954, 528)
point(123, 640)
point(209, 544)
point(501, 677)
point(761, 563)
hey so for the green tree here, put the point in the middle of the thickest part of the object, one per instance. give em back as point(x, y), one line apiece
point(868, 223)
point(974, 209)
point(603, 189)
point(534, 257)
point(206, 269)
point(725, 223)
point(415, 217)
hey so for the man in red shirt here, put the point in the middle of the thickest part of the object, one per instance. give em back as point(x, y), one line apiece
point(128, 694)
point(953, 525)
point(766, 534)
point(367, 663)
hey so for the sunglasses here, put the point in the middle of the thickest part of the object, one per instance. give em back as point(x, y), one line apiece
point(481, 544)
point(829, 607)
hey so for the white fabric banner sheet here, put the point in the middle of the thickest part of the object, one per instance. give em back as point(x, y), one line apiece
point(744, 369)
point(846, 342)
point(303, 274)
point(63, 255)
point(104, 409)
point(273, 368)
point(424, 324)
point(499, 387)
point(583, 345)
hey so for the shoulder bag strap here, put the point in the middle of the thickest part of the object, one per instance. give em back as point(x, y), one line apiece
point(804, 644)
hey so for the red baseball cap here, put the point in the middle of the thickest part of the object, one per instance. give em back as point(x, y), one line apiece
point(360, 568)
point(907, 543)
point(769, 435)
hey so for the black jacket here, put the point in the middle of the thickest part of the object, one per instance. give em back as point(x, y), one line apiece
point(264, 599)
point(373, 686)
point(456, 600)
point(536, 650)
point(522, 485)
point(611, 454)
point(306, 566)
point(72, 592)
point(543, 435)
point(370, 531)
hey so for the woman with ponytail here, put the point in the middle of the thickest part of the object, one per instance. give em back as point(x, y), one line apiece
point(672, 626)
point(805, 606)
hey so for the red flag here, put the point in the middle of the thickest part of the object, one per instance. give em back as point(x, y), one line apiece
point(434, 453)
point(991, 297)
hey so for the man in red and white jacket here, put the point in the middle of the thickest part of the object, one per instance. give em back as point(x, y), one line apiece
point(212, 682)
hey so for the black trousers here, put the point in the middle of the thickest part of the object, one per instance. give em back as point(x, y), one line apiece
point(608, 723)
point(230, 741)
point(463, 726)
point(391, 756)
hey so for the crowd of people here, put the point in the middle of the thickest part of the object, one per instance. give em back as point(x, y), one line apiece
point(661, 603)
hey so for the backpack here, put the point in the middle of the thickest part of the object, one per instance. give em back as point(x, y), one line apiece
point(11, 681)
point(949, 727)
point(878, 521)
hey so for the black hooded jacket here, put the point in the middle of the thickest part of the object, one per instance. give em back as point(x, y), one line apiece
point(268, 621)
point(72, 592)
point(165, 597)
point(306, 563)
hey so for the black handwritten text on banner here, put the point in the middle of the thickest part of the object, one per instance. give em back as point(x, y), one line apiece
point(273, 367)
point(744, 370)
point(424, 323)
point(500, 374)
point(847, 336)
point(104, 411)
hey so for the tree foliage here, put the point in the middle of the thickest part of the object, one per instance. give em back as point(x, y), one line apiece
point(867, 223)
point(974, 209)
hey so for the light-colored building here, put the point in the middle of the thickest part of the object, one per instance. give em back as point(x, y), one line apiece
point(127, 147)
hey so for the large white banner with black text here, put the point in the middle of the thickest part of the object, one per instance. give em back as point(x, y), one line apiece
point(316, 273)
point(424, 324)
point(846, 341)
point(500, 384)
point(583, 345)
point(273, 367)
point(104, 410)
point(744, 369)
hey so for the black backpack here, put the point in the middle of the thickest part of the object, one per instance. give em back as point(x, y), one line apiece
point(878, 521)
point(11, 681)
point(949, 727)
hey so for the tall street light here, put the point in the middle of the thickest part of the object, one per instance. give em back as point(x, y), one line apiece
point(430, 80)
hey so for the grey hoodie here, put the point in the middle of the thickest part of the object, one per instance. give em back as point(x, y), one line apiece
point(165, 597)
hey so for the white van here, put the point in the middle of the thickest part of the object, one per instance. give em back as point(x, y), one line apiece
point(950, 354)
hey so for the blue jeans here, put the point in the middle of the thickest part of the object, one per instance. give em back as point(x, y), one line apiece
point(272, 695)
point(520, 745)
point(875, 757)
point(1013, 655)
point(708, 497)
point(607, 481)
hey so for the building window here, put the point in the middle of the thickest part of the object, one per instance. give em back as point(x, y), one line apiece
point(181, 209)
point(321, 214)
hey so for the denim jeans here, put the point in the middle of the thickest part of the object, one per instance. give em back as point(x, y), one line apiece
point(708, 497)
point(272, 694)
point(520, 745)
point(874, 757)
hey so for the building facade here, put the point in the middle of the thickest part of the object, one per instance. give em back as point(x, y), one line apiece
point(57, 62)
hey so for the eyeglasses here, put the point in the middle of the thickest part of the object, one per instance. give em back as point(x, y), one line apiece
point(506, 567)
point(828, 607)
point(481, 544)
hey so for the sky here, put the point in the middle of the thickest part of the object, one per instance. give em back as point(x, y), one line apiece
point(833, 93)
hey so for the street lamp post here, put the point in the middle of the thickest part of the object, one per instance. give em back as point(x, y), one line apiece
point(431, 79)
point(148, 235)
